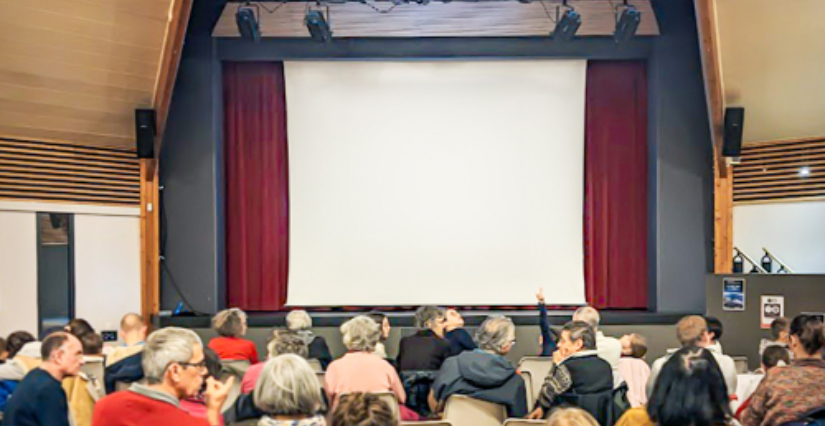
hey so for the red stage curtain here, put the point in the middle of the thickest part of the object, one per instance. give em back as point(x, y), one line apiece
point(257, 187)
point(616, 173)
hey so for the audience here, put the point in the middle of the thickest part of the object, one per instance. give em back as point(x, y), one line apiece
point(79, 327)
point(715, 331)
point(780, 329)
point(608, 348)
point(283, 342)
point(634, 368)
point(288, 393)
point(361, 369)
point(24, 353)
point(39, 399)
point(132, 335)
point(549, 338)
point(460, 340)
point(774, 356)
point(690, 391)
point(92, 346)
point(174, 365)
point(577, 370)
point(300, 322)
point(196, 405)
point(787, 393)
point(571, 416)
point(382, 320)
point(484, 374)
point(427, 349)
point(230, 324)
point(363, 409)
point(692, 331)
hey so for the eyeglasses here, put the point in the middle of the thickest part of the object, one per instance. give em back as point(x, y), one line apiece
point(201, 366)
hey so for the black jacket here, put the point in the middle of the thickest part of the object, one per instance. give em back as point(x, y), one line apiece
point(483, 376)
point(319, 350)
point(460, 341)
point(423, 350)
point(127, 370)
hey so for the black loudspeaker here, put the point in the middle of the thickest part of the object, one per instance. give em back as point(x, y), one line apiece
point(145, 132)
point(734, 123)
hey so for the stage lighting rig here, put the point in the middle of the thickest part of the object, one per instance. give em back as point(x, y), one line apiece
point(567, 22)
point(248, 19)
point(627, 22)
point(318, 25)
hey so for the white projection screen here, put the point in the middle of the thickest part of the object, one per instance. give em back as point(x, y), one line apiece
point(435, 182)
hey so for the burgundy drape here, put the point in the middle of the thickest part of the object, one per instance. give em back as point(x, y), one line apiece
point(257, 189)
point(615, 213)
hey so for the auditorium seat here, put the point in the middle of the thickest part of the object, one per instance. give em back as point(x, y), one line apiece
point(538, 367)
point(528, 387)
point(524, 422)
point(321, 378)
point(236, 369)
point(465, 411)
point(741, 363)
point(316, 365)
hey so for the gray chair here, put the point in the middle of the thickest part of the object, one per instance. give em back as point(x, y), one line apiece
point(538, 367)
point(462, 410)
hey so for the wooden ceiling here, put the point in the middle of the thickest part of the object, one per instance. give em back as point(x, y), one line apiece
point(73, 71)
point(437, 19)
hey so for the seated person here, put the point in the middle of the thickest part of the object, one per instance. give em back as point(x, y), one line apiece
point(571, 416)
point(288, 393)
point(774, 356)
point(363, 409)
point(283, 342)
point(300, 322)
point(230, 324)
point(196, 405)
point(634, 369)
point(132, 335)
point(382, 320)
point(460, 340)
point(690, 390)
point(780, 328)
point(549, 337)
point(608, 348)
point(577, 370)
point(788, 393)
point(174, 366)
point(692, 331)
point(79, 327)
point(715, 330)
point(485, 373)
point(426, 349)
point(24, 355)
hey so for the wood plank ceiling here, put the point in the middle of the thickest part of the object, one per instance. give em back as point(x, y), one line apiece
point(73, 71)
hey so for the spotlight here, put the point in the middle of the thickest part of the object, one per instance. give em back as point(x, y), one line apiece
point(567, 24)
point(247, 22)
point(318, 26)
point(627, 23)
point(805, 171)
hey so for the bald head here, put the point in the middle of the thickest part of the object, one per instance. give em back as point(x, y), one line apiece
point(132, 329)
point(589, 316)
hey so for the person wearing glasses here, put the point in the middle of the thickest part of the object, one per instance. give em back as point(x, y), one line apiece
point(174, 367)
point(484, 373)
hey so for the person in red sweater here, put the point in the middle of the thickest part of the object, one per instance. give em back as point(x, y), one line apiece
point(174, 368)
point(230, 345)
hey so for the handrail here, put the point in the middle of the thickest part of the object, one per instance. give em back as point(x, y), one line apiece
point(745, 256)
point(782, 265)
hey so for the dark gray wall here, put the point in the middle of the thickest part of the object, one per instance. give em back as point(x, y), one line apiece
point(680, 211)
point(742, 331)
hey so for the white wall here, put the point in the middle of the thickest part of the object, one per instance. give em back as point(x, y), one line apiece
point(18, 272)
point(794, 232)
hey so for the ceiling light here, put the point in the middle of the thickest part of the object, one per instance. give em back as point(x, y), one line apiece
point(627, 22)
point(805, 171)
point(318, 26)
point(247, 22)
point(567, 24)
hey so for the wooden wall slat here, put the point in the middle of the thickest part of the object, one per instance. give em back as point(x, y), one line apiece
point(770, 172)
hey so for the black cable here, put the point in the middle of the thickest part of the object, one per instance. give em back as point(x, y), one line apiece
point(273, 10)
point(381, 10)
point(555, 21)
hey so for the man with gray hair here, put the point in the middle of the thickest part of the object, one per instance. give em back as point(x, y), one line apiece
point(577, 371)
point(608, 348)
point(174, 366)
point(484, 373)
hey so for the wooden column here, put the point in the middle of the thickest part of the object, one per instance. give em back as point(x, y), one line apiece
point(149, 239)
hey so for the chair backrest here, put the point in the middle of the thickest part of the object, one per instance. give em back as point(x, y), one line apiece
point(232, 396)
point(462, 410)
point(528, 388)
point(321, 378)
point(121, 386)
point(316, 365)
point(387, 397)
point(427, 423)
point(235, 368)
point(538, 367)
point(741, 363)
point(94, 369)
point(524, 422)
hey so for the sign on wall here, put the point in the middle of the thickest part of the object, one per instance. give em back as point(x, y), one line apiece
point(733, 294)
point(772, 307)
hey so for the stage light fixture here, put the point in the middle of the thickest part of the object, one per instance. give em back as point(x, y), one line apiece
point(247, 21)
point(567, 23)
point(318, 25)
point(627, 22)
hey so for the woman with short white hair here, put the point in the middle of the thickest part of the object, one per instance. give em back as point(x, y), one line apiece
point(300, 322)
point(361, 369)
point(288, 393)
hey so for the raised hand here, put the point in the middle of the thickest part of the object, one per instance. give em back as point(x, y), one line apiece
point(540, 295)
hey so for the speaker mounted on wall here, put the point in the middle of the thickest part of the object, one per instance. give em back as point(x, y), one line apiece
point(145, 131)
point(734, 126)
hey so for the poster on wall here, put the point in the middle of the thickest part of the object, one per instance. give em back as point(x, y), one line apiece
point(733, 294)
point(773, 307)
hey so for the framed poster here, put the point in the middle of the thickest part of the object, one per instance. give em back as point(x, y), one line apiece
point(733, 294)
point(772, 307)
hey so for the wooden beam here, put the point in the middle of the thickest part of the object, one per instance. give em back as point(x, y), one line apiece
point(149, 239)
point(722, 173)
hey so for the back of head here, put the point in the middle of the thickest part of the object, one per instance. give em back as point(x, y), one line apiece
point(571, 416)
point(298, 320)
point(495, 334)
point(52, 343)
point(774, 356)
point(363, 409)
point(638, 346)
point(778, 326)
point(165, 347)
point(287, 342)
point(230, 322)
point(690, 330)
point(588, 315)
point(92, 344)
point(377, 316)
point(427, 316)
point(288, 387)
point(714, 327)
point(79, 327)
point(131, 322)
point(16, 341)
point(361, 333)
point(810, 333)
point(580, 330)
point(690, 391)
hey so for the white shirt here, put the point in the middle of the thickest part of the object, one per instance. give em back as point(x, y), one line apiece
point(725, 362)
point(610, 350)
